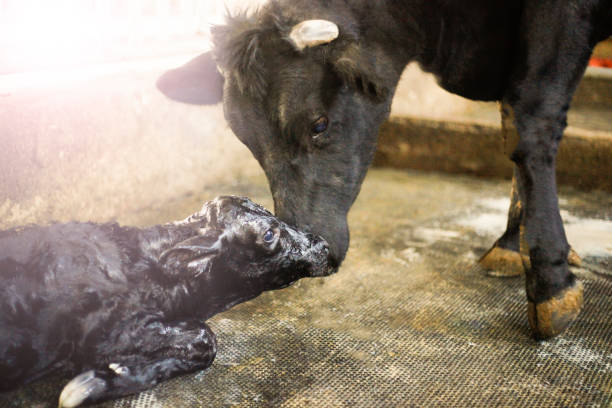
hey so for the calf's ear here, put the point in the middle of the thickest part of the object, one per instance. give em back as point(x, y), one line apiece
point(198, 82)
point(366, 69)
point(193, 255)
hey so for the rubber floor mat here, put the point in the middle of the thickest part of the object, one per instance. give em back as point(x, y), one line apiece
point(409, 321)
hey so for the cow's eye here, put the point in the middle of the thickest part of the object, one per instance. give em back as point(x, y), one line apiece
point(269, 236)
point(320, 125)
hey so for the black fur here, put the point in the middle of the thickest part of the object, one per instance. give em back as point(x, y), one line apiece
point(130, 304)
point(530, 54)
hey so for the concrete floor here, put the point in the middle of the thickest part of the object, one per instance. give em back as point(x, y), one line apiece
point(408, 320)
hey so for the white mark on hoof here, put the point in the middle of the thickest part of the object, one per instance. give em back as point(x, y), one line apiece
point(80, 388)
point(119, 369)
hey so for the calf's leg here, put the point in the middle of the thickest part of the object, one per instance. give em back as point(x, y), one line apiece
point(18, 358)
point(153, 354)
point(509, 255)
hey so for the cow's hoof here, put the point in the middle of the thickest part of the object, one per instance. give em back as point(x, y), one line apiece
point(504, 263)
point(549, 318)
point(81, 388)
point(573, 258)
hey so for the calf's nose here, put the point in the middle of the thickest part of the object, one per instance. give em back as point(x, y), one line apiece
point(321, 260)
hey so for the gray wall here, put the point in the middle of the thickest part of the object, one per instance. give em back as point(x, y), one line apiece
point(107, 144)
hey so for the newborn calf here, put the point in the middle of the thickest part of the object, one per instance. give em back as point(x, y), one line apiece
point(126, 306)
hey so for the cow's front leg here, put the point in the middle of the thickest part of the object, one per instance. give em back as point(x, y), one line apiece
point(553, 58)
point(509, 255)
point(554, 295)
point(142, 359)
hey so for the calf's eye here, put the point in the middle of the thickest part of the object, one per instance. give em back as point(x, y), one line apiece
point(269, 236)
point(320, 125)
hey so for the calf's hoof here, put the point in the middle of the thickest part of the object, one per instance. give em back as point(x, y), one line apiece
point(551, 317)
point(81, 389)
point(505, 263)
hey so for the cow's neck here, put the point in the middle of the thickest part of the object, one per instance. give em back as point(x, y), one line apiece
point(435, 33)
point(393, 25)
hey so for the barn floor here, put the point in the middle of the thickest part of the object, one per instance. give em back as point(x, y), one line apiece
point(408, 320)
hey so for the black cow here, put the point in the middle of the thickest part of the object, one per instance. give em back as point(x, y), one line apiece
point(126, 307)
point(308, 82)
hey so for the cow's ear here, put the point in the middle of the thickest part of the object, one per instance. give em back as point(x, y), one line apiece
point(197, 82)
point(367, 70)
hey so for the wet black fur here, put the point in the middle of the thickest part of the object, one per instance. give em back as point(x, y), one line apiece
point(82, 296)
point(530, 54)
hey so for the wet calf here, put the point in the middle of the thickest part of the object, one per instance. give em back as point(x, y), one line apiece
point(124, 307)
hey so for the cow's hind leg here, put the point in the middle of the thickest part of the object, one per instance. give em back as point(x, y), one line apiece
point(554, 48)
point(509, 255)
point(143, 359)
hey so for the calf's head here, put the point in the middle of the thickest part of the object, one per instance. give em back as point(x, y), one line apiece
point(239, 250)
point(306, 94)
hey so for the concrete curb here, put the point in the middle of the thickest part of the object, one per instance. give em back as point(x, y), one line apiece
point(595, 89)
point(477, 148)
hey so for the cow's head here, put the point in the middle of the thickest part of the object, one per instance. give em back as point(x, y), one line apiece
point(306, 94)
